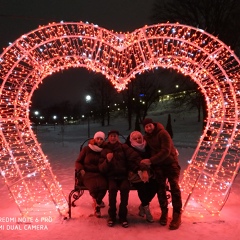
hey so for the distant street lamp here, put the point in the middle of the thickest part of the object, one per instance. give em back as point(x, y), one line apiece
point(88, 99)
point(36, 113)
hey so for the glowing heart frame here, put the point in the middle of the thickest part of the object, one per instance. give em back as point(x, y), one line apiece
point(58, 46)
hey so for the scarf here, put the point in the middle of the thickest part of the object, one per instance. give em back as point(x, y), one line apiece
point(95, 148)
point(139, 146)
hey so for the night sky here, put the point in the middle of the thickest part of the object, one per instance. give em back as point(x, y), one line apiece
point(18, 17)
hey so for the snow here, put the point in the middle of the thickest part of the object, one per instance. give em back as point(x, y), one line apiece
point(61, 145)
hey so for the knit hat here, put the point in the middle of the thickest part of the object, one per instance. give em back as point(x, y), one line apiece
point(147, 121)
point(113, 131)
point(99, 134)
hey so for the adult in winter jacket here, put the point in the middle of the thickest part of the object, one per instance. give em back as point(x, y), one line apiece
point(87, 164)
point(146, 183)
point(114, 163)
point(164, 162)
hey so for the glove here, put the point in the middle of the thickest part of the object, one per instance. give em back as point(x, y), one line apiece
point(144, 176)
point(109, 157)
point(146, 162)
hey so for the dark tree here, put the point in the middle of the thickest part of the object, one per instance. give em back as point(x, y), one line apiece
point(103, 94)
point(218, 17)
point(141, 96)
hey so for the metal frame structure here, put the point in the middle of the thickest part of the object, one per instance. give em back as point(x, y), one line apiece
point(119, 56)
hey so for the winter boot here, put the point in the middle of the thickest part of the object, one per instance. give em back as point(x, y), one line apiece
point(102, 204)
point(141, 211)
point(164, 217)
point(149, 216)
point(176, 221)
point(97, 211)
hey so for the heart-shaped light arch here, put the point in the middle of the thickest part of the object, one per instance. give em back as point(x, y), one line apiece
point(118, 56)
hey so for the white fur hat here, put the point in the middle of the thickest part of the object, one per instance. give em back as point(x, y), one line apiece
point(99, 134)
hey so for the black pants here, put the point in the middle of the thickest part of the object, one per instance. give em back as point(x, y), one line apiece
point(124, 187)
point(146, 191)
point(172, 173)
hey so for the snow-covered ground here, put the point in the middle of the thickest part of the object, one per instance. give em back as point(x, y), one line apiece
point(61, 145)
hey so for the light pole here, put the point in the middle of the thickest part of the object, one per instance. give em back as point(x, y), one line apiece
point(88, 99)
point(54, 123)
point(36, 113)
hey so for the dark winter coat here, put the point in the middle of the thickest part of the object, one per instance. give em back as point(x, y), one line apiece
point(88, 160)
point(135, 165)
point(161, 145)
point(124, 158)
point(144, 155)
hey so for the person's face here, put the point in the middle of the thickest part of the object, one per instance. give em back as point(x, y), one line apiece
point(113, 138)
point(149, 128)
point(137, 138)
point(99, 141)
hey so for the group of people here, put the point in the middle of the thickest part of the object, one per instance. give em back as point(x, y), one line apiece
point(145, 162)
